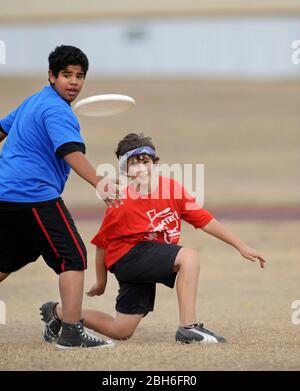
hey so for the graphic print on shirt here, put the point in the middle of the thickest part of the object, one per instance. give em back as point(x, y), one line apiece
point(165, 221)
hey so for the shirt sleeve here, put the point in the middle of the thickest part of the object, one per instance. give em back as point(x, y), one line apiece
point(68, 148)
point(62, 127)
point(192, 212)
point(108, 230)
point(101, 238)
point(98, 241)
point(7, 122)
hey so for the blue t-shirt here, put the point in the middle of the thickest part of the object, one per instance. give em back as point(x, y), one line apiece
point(29, 169)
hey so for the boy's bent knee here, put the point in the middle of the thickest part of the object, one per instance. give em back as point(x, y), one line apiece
point(124, 325)
point(122, 336)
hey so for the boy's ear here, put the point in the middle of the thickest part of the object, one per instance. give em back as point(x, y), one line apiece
point(51, 77)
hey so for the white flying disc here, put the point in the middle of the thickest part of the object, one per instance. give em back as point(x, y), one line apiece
point(102, 105)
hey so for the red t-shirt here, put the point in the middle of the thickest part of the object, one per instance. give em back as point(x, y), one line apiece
point(148, 219)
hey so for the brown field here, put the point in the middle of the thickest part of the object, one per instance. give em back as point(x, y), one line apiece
point(249, 306)
point(247, 135)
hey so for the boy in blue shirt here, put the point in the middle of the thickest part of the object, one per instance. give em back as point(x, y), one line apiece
point(42, 144)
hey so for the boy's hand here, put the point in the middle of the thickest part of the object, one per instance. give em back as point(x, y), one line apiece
point(252, 255)
point(97, 289)
point(108, 190)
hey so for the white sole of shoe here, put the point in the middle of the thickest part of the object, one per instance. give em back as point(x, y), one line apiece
point(110, 344)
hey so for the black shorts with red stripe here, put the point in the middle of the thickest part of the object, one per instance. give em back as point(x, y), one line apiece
point(31, 230)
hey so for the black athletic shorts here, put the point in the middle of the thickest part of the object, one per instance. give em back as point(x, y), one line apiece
point(139, 270)
point(44, 228)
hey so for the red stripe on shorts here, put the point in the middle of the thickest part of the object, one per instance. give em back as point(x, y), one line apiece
point(71, 233)
point(48, 237)
point(63, 265)
point(45, 231)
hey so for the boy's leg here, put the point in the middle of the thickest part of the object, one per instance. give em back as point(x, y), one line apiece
point(58, 240)
point(63, 250)
point(187, 264)
point(120, 327)
point(71, 292)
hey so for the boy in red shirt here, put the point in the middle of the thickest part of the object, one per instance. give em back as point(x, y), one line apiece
point(138, 243)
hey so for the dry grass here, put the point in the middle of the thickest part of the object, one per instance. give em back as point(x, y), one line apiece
point(247, 134)
point(250, 307)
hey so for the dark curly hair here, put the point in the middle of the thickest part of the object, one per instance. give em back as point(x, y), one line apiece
point(65, 55)
point(132, 141)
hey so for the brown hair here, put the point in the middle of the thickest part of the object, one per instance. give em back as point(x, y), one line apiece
point(132, 141)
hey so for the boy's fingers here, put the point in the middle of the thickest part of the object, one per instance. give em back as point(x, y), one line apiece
point(262, 262)
point(113, 202)
point(116, 202)
point(255, 258)
point(109, 202)
point(91, 292)
point(252, 259)
point(261, 258)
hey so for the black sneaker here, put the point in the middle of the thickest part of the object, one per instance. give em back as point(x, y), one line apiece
point(53, 323)
point(197, 334)
point(74, 335)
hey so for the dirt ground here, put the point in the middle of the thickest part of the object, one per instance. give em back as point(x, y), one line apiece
point(247, 135)
point(249, 306)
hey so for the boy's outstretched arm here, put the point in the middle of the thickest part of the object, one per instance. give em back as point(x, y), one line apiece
point(216, 229)
point(81, 165)
point(101, 274)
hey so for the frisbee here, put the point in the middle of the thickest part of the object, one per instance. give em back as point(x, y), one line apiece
point(103, 105)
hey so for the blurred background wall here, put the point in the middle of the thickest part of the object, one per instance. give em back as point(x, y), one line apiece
point(166, 38)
